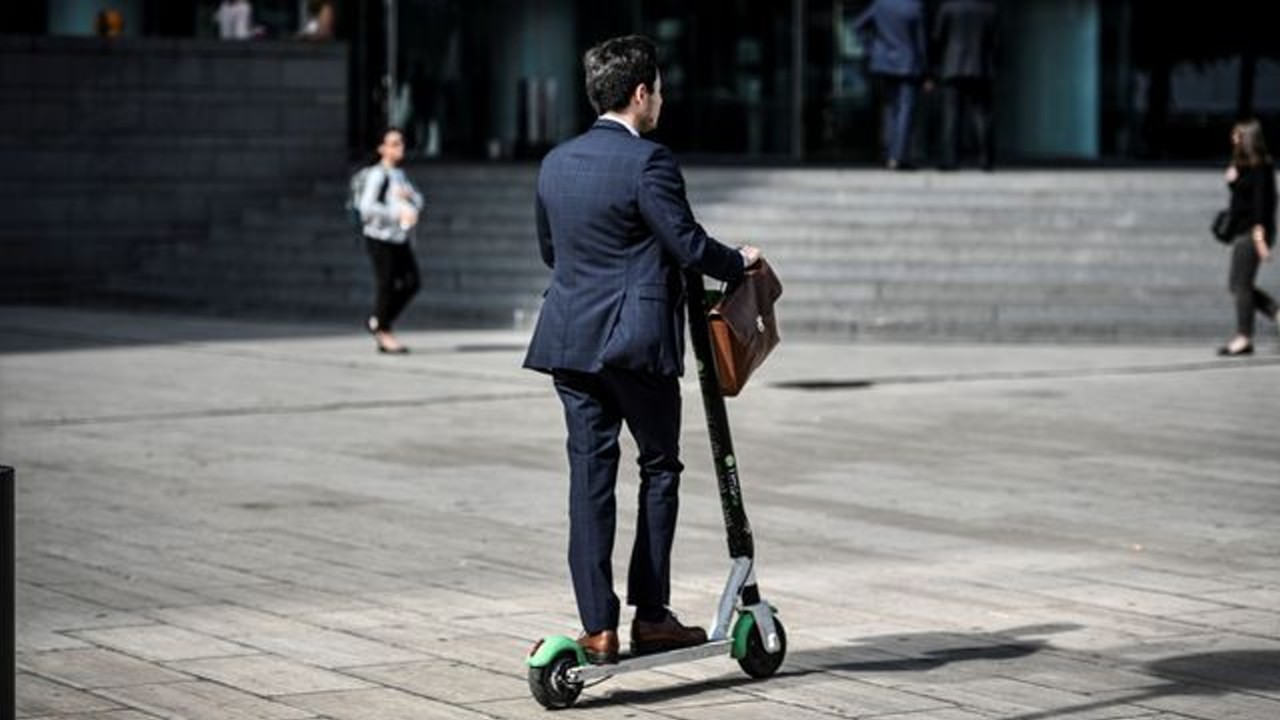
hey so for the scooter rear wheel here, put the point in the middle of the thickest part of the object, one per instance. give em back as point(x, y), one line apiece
point(759, 663)
point(550, 684)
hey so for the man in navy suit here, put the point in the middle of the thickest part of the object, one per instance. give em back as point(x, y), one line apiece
point(617, 232)
point(895, 31)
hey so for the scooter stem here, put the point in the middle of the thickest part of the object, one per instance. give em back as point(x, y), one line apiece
point(736, 525)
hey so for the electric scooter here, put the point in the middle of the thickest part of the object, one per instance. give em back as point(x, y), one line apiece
point(745, 627)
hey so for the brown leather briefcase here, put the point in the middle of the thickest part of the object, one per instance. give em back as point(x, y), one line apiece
point(744, 329)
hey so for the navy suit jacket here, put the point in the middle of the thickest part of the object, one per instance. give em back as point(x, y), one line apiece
point(897, 36)
point(616, 230)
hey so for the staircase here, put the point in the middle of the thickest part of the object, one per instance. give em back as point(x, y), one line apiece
point(1035, 255)
point(1012, 255)
point(118, 156)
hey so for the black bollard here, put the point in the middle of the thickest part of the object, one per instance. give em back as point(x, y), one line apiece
point(7, 624)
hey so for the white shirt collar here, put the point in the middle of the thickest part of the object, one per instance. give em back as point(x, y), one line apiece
point(618, 119)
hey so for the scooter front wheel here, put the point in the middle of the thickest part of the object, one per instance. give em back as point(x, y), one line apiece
point(550, 683)
point(758, 662)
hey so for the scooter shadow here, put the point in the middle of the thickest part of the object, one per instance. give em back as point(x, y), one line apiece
point(903, 652)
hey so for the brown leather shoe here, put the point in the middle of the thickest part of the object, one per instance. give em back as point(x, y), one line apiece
point(601, 647)
point(666, 634)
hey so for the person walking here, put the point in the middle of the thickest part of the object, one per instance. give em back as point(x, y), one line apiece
point(615, 227)
point(895, 32)
point(390, 207)
point(966, 38)
point(321, 21)
point(234, 19)
point(1251, 178)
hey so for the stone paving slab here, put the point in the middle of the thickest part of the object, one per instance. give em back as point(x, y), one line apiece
point(199, 700)
point(380, 704)
point(268, 675)
point(106, 715)
point(452, 682)
point(95, 668)
point(162, 643)
point(39, 697)
point(229, 519)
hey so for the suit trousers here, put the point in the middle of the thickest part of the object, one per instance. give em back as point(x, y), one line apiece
point(595, 406)
point(1243, 275)
point(900, 96)
point(395, 274)
point(969, 98)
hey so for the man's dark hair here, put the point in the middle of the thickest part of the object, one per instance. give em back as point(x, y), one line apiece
point(616, 67)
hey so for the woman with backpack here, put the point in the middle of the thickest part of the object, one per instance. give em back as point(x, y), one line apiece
point(389, 209)
point(1252, 181)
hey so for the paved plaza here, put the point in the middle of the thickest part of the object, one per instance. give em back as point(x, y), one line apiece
point(250, 521)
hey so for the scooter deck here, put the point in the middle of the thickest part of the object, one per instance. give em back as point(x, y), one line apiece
point(632, 663)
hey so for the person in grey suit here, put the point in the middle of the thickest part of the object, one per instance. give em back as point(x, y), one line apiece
point(966, 36)
point(895, 32)
point(617, 232)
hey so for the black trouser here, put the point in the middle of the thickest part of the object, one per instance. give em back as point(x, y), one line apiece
point(595, 406)
point(970, 97)
point(1249, 299)
point(395, 272)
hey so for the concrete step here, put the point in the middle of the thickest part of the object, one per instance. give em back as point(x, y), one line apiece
point(477, 212)
point(445, 194)
point(1182, 265)
point(1187, 270)
point(1102, 181)
point(1071, 254)
point(470, 233)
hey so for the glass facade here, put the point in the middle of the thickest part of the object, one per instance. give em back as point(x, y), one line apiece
point(786, 81)
point(163, 18)
point(728, 75)
point(765, 80)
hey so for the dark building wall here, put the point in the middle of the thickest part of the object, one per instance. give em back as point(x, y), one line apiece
point(112, 149)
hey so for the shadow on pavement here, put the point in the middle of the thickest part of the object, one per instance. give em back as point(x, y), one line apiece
point(903, 652)
point(39, 329)
point(1200, 674)
point(1228, 670)
point(42, 329)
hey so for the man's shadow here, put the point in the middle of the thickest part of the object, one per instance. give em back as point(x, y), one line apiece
point(902, 652)
point(1211, 674)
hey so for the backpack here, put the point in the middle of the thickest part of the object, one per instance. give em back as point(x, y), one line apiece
point(356, 190)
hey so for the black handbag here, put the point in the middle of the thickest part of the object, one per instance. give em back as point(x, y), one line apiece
point(1223, 227)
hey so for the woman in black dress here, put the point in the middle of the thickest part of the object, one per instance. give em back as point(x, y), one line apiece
point(1252, 181)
